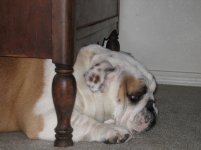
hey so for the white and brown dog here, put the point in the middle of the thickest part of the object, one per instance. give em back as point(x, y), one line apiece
point(114, 97)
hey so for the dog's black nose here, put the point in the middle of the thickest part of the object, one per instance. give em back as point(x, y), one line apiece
point(150, 108)
point(149, 105)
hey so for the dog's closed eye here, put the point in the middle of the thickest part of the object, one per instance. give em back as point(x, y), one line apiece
point(138, 95)
point(133, 98)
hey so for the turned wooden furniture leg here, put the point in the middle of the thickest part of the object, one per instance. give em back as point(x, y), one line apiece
point(64, 91)
point(113, 42)
point(64, 85)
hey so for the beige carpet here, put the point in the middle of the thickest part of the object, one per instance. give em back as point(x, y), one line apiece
point(178, 127)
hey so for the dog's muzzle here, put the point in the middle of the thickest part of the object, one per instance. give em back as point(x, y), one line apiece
point(152, 112)
point(145, 119)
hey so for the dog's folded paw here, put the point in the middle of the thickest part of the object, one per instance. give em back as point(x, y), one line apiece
point(117, 135)
point(117, 139)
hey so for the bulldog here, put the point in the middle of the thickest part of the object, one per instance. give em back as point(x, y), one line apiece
point(114, 99)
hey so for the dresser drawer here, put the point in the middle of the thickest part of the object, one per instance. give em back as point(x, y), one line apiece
point(25, 28)
point(26, 25)
point(91, 11)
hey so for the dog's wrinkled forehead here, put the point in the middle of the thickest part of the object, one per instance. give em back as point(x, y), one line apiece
point(132, 88)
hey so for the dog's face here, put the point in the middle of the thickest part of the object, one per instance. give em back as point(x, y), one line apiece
point(139, 112)
point(134, 103)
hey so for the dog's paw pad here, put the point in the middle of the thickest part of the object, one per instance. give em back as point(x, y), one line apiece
point(93, 81)
point(124, 139)
point(116, 139)
point(113, 140)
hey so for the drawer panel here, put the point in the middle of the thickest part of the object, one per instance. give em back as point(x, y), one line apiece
point(91, 11)
point(25, 28)
point(95, 38)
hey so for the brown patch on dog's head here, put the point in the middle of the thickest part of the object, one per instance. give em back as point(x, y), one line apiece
point(132, 88)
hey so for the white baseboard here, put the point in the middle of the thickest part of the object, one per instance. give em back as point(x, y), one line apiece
point(177, 78)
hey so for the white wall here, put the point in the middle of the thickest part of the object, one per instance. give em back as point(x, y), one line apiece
point(165, 35)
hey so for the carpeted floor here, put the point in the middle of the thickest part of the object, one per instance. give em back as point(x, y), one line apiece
point(178, 127)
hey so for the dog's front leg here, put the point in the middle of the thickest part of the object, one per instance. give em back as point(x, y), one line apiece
point(88, 129)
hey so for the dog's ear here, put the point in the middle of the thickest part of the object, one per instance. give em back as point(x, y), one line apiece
point(111, 73)
point(97, 76)
point(109, 70)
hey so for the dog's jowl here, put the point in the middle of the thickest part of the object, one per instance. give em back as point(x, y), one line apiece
point(114, 97)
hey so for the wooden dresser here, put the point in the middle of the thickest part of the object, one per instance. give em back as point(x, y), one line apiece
point(56, 29)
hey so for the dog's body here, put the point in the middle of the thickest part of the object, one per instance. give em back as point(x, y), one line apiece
point(114, 97)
